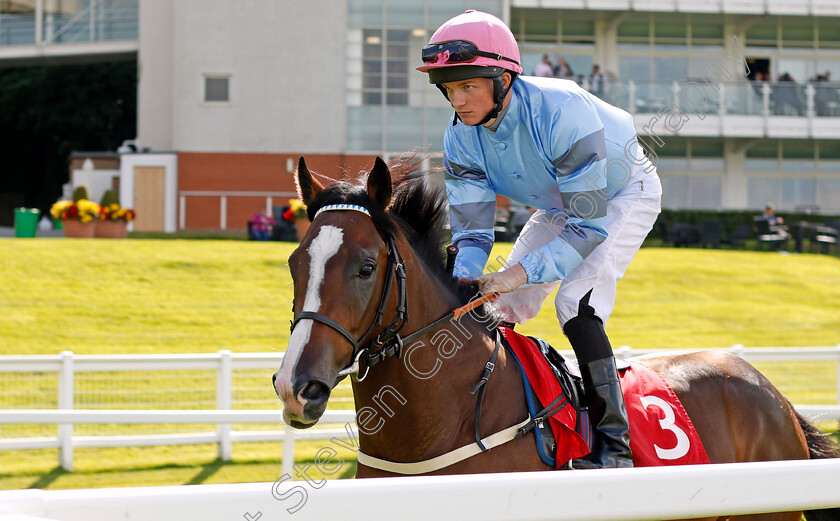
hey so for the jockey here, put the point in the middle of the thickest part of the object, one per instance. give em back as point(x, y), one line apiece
point(550, 145)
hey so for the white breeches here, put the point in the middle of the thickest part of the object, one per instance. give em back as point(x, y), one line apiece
point(631, 214)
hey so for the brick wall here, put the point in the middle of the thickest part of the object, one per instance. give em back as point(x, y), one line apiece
point(241, 172)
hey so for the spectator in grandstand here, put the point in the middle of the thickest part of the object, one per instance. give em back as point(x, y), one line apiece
point(598, 82)
point(562, 69)
point(544, 69)
point(825, 95)
point(785, 96)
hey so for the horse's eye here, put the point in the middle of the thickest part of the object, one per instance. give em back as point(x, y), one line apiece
point(366, 270)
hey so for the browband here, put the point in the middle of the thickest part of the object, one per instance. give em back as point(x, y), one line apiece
point(353, 207)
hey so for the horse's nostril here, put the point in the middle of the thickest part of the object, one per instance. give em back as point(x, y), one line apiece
point(315, 391)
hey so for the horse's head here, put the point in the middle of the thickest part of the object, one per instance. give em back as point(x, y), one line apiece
point(339, 271)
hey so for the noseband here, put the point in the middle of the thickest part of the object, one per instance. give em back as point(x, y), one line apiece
point(387, 343)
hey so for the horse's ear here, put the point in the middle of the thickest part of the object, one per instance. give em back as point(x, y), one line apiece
point(379, 183)
point(307, 186)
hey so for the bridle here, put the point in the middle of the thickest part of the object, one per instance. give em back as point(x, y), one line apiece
point(388, 343)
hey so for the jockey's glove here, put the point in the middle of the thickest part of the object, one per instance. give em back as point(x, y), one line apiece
point(503, 281)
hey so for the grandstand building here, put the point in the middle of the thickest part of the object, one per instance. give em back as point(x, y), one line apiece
point(231, 92)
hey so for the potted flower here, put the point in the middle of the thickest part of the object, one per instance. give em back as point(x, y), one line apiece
point(114, 218)
point(297, 214)
point(78, 218)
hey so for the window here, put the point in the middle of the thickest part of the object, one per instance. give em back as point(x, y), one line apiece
point(762, 190)
point(798, 155)
point(828, 195)
point(578, 31)
point(798, 35)
point(829, 154)
point(216, 88)
point(763, 156)
point(829, 35)
point(673, 155)
point(17, 22)
point(695, 192)
point(385, 66)
point(786, 193)
point(704, 193)
point(695, 154)
point(763, 33)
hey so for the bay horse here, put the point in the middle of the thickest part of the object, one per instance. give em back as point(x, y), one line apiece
point(414, 402)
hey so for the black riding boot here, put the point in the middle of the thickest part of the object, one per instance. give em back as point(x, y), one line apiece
point(607, 411)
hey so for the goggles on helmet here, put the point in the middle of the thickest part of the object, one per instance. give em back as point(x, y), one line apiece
point(458, 51)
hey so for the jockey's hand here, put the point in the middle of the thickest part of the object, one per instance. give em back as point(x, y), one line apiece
point(503, 281)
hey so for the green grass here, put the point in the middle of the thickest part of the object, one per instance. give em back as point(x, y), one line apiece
point(143, 296)
point(183, 296)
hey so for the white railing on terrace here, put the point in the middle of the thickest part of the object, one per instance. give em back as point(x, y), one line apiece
point(742, 98)
point(99, 21)
point(93, 395)
point(754, 7)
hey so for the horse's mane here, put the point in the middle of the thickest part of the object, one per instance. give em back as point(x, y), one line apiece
point(419, 209)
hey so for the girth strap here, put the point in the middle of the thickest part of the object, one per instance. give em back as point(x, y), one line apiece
point(444, 460)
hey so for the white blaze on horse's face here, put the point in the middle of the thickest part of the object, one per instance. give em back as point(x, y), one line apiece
point(320, 250)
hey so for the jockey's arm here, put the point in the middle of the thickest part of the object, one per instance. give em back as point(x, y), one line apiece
point(579, 155)
point(472, 216)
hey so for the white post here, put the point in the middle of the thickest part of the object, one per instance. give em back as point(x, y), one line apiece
point(223, 212)
point(182, 213)
point(39, 22)
point(809, 100)
point(269, 205)
point(738, 350)
point(224, 402)
point(65, 402)
point(92, 21)
point(838, 374)
point(288, 451)
point(765, 99)
point(631, 88)
point(675, 92)
point(721, 100)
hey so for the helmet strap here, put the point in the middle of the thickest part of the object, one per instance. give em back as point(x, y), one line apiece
point(499, 94)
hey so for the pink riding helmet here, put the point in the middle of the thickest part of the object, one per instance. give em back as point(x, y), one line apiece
point(472, 45)
point(486, 32)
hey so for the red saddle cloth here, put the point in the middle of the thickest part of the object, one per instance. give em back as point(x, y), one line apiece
point(661, 433)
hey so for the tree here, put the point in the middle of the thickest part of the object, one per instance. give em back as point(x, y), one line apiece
point(49, 112)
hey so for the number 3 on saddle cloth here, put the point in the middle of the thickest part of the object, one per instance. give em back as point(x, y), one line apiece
point(661, 432)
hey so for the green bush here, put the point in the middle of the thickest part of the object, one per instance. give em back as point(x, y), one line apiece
point(108, 198)
point(80, 193)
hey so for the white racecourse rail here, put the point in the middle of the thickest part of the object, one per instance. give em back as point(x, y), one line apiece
point(224, 363)
point(639, 494)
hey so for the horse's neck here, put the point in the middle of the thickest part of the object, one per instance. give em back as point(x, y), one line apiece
point(424, 395)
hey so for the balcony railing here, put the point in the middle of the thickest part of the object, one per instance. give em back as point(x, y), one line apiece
point(99, 21)
point(809, 100)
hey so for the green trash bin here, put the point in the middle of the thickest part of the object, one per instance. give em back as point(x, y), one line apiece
point(26, 221)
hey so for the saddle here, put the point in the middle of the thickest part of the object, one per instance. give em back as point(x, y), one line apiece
point(661, 433)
